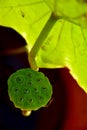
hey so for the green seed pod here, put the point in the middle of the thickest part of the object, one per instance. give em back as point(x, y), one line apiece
point(29, 89)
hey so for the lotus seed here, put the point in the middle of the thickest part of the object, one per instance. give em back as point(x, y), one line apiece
point(44, 89)
point(40, 98)
point(39, 79)
point(26, 91)
point(21, 99)
point(36, 90)
point(29, 89)
point(29, 83)
point(30, 100)
point(29, 75)
point(19, 80)
point(16, 90)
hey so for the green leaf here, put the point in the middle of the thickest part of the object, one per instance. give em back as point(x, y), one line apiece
point(72, 10)
point(66, 44)
point(26, 17)
point(66, 48)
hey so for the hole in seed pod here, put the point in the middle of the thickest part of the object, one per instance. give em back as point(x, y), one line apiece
point(29, 83)
point(39, 79)
point(44, 88)
point(16, 89)
point(29, 75)
point(35, 89)
point(19, 79)
point(26, 91)
point(21, 99)
point(30, 100)
point(40, 98)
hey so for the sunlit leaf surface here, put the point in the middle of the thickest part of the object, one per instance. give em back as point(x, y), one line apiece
point(27, 17)
point(66, 44)
point(72, 10)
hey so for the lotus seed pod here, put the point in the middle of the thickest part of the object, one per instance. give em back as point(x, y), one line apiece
point(29, 89)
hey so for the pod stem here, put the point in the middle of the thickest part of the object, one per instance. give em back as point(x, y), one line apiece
point(26, 112)
point(40, 40)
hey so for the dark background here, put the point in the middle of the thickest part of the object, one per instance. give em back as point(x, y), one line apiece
point(67, 111)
